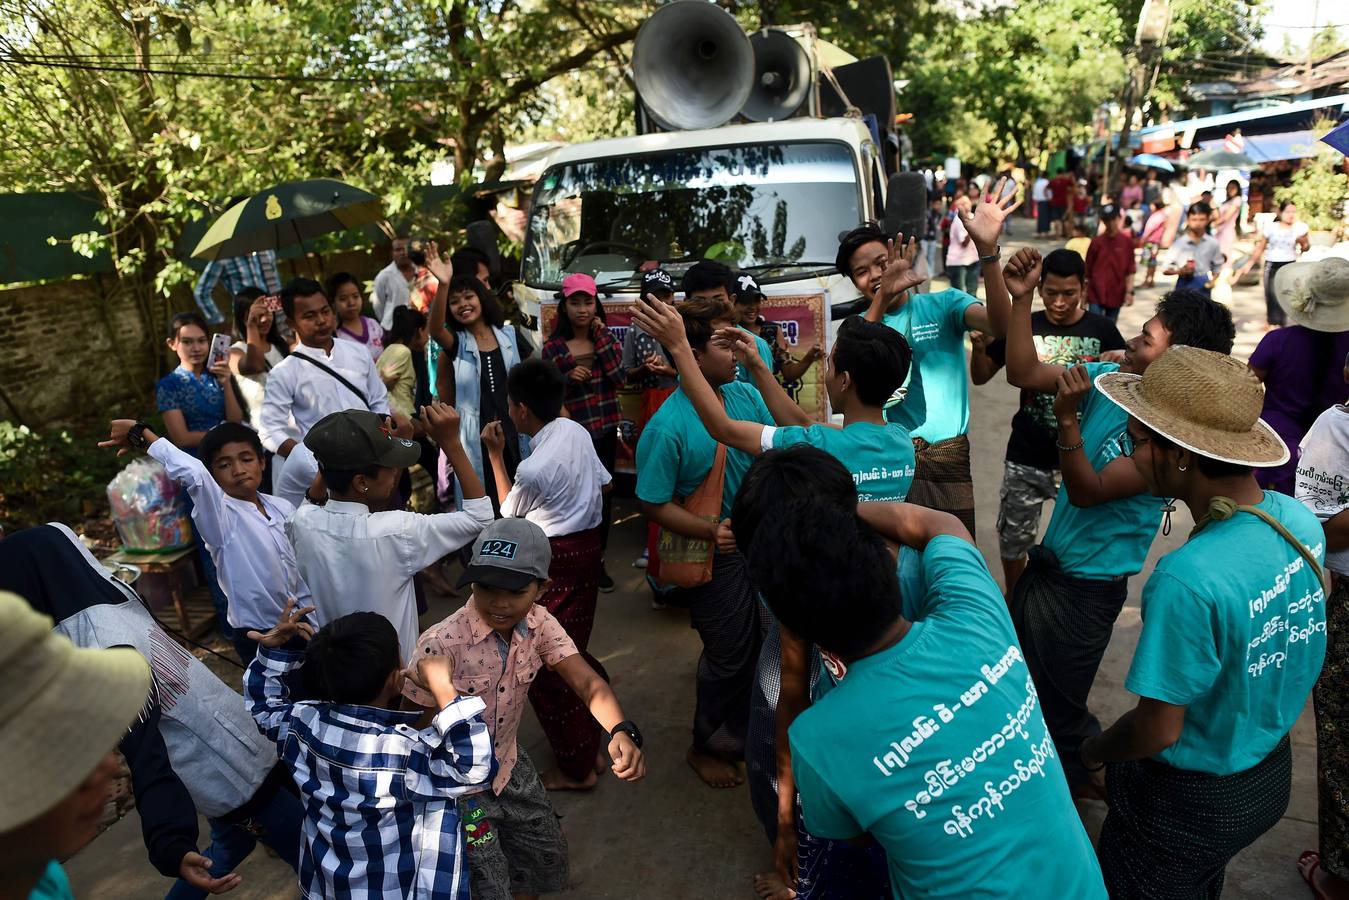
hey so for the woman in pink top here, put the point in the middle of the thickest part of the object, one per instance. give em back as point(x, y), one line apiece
point(962, 259)
point(1151, 240)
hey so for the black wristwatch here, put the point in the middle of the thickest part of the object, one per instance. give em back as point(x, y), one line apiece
point(630, 729)
point(135, 435)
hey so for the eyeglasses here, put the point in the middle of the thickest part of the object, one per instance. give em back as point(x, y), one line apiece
point(1128, 443)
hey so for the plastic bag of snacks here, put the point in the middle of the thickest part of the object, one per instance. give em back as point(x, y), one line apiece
point(148, 508)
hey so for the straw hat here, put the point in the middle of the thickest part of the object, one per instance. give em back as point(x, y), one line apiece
point(62, 709)
point(1315, 294)
point(1203, 401)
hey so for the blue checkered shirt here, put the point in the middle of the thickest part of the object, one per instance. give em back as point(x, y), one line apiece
point(381, 818)
point(257, 270)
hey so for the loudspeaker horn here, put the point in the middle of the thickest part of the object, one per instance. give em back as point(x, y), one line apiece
point(693, 65)
point(782, 77)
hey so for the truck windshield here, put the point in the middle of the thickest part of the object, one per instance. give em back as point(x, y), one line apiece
point(777, 209)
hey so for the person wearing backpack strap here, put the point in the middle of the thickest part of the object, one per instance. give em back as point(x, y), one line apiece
point(1233, 637)
point(675, 457)
point(321, 376)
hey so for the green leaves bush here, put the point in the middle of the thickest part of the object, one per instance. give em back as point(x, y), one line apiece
point(52, 475)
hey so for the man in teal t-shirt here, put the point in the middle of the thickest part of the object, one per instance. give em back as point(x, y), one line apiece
point(936, 400)
point(675, 455)
point(933, 742)
point(1065, 604)
point(866, 365)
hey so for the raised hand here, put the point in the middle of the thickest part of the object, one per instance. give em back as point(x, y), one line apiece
point(660, 320)
point(439, 268)
point(899, 274)
point(980, 341)
point(260, 316)
point(494, 437)
point(1073, 385)
point(984, 222)
point(1022, 273)
point(118, 430)
point(288, 626)
point(441, 421)
point(742, 346)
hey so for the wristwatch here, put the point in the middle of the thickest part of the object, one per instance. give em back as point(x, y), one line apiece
point(135, 435)
point(630, 729)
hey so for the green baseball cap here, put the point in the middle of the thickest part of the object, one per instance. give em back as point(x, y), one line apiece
point(357, 439)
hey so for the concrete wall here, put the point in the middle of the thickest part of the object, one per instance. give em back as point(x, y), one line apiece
point(76, 352)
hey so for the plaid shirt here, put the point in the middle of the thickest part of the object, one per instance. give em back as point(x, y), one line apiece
point(592, 403)
point(380, 815)
point(238, 272)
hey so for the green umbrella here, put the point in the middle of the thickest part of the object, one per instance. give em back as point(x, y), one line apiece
point(286, 214)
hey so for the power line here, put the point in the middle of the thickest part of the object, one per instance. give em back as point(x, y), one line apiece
point(244, 76)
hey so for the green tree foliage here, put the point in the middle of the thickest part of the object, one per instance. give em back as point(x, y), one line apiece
point(163, 110)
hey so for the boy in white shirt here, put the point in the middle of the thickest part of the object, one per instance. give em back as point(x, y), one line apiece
point(355, 560)
point(243, 529)
point(559, 487)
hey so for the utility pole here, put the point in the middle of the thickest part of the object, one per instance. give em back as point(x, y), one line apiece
point(1153, 21)
point(1311, 41)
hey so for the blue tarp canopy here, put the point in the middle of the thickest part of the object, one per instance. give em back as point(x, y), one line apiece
point(1288, 119)
point(1272, 147)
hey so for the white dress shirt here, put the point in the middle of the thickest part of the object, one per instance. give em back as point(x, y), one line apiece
point(391, 292)
point(291, 480)
point(558, 486)
point(301, 393)
point(355, 560)
point(253, 556)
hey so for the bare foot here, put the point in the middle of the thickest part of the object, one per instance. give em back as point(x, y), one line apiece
point(713, 770)
point(554, 780)
point(1324, 885)
point(770, 886)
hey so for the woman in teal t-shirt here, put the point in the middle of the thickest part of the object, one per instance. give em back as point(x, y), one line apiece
point(1233, 636)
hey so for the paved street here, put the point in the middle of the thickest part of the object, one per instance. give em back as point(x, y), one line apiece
point(670, 836)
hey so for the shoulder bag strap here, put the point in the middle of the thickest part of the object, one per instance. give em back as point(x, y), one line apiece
point(347, 384)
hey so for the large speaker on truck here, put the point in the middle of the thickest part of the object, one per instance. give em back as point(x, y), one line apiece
point(693, 65)
point(782, 77)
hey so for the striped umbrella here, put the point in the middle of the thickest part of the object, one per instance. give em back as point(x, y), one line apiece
point(286, 214)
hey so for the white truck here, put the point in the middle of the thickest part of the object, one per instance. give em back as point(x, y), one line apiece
point(768, 198)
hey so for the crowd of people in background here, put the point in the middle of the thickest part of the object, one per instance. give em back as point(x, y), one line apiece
point(860, 667)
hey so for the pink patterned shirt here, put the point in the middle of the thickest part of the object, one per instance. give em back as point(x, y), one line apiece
point(480, 671)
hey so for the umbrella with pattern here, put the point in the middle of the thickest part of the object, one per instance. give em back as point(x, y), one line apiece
point(286, 214)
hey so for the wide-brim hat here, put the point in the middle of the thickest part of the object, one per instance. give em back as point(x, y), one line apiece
point(1206, 402)
point(62, 710)
point(1315, 294)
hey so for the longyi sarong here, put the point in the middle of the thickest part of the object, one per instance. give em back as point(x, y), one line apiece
point(571, 598)
point(1170, 833)
point(942, 479)
point(1064, 625)
point(724, 613)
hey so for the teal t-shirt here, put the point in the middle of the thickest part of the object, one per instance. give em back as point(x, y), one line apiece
point(1234, 629)
point(937, 405)
point(53, 885)
point(1111, 539)
point(675, 452)
point(879, 457)
point(765, 353)
point(937, 748)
